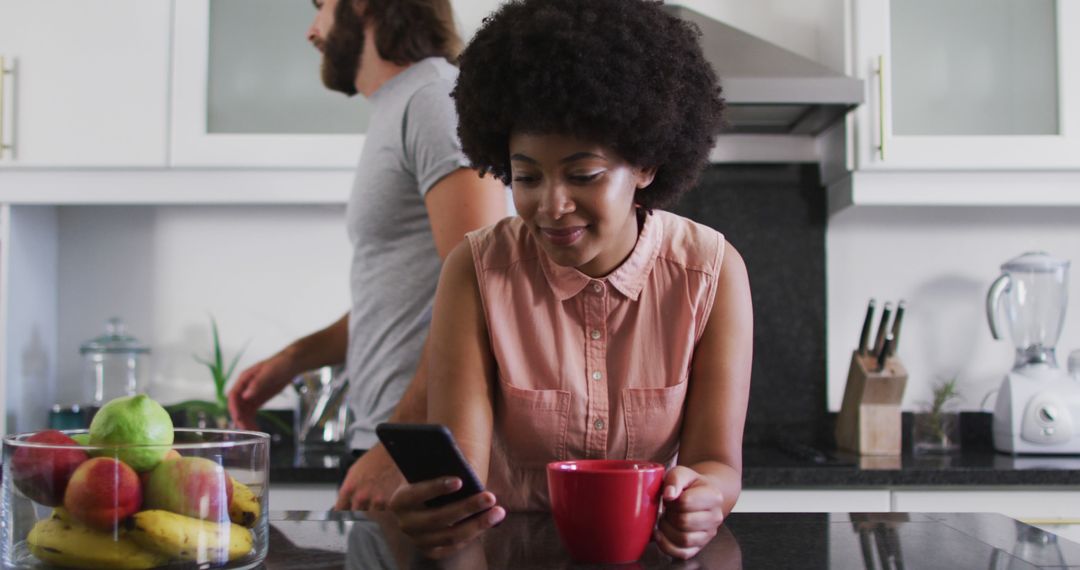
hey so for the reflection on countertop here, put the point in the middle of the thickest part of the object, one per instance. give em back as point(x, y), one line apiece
point(311, 541)
point(305, 464)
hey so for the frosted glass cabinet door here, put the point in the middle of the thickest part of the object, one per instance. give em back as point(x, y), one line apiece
point(956, 84)
point(86, 82)
point(247, 90)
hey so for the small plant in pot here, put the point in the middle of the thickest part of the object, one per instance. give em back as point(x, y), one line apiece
point(215, 414)
point(937, 429)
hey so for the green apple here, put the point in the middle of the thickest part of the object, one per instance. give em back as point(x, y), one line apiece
point(136, 429)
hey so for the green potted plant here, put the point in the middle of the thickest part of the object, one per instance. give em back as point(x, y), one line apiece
point(936, 429)
point(215, 413)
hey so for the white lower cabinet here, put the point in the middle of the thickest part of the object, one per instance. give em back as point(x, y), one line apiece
point(813, 501)
point(302, 496)
point(1056, 510)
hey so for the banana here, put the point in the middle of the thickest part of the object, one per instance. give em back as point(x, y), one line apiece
point(189, 539)
point(62, 514)
point(245, 508)
point(60, 542)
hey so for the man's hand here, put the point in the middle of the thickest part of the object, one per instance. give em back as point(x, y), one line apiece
point(255, 386)
point(370, 482)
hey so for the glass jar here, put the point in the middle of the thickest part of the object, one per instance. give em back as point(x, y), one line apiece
point(113, 364)
point(936, 432)
point(67, 505)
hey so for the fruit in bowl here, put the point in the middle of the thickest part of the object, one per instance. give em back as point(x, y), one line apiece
point(102, 492)
point(139, 428)
point(43, 473)
point(245, 508)
point(192, 486)
point(82, 501)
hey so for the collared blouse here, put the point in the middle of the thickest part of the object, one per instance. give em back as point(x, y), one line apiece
point(590, 368)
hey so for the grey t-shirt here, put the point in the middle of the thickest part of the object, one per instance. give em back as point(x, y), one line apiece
point(411, 144)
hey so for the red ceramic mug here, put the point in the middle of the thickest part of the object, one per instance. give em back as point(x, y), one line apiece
point(605, 509)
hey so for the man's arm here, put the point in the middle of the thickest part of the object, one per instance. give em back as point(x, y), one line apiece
point(264, 379)
point(325, 347)
point(459, 203)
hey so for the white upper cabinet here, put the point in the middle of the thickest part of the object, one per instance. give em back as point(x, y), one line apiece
point(247, 90)
point(85, 82)
point(968, 84)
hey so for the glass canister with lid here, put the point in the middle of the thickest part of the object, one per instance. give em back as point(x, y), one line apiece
point(114, 364)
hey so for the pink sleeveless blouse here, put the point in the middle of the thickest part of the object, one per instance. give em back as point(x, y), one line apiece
point(590, 368)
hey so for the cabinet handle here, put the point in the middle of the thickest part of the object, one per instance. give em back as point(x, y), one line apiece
point(1049, 521)
point(4, 71)
point(880, 72)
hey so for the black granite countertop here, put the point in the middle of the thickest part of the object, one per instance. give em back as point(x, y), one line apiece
point(779, 460)
point(289, 464)
point(316, 541)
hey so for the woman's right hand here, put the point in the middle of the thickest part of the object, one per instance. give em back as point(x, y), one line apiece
point(255, 386)
point(441, 531)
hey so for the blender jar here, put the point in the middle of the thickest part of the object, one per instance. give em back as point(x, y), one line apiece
point(113, 364)
point(1033, 291)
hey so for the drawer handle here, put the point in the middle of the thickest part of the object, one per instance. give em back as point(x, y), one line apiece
point(880, 72)
point(1050, 521)
point(5, 71)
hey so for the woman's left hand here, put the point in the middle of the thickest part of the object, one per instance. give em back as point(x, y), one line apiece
point(693, 511)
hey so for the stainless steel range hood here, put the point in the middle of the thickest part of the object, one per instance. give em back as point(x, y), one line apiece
point(770, 90)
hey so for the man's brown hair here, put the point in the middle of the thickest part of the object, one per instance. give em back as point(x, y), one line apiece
point(410, 30)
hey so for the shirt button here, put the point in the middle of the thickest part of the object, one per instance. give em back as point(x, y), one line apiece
point(597, 375)
point(597, 287)
point(598, 424)
point(595, 334)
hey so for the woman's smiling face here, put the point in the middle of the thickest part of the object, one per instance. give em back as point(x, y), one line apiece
point(577, 199)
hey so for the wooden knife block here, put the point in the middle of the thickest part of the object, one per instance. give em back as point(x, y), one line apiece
point(869, 420)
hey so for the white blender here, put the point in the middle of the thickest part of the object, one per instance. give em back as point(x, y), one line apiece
point(1038, 404)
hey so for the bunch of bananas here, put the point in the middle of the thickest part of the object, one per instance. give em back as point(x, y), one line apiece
point(149, 538)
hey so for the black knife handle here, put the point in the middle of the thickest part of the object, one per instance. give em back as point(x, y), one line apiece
point(897, 320)
point(883, 354)
point(883, 327)
point(864, 337)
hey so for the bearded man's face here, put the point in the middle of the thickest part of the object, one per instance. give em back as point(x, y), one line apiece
point(342, 48)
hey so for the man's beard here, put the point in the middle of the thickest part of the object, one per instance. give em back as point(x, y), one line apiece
point(342, 49)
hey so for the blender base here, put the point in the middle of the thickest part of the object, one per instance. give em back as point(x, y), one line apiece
point(1038, 412)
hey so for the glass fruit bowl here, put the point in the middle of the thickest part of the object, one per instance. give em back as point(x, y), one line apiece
point(200, 502)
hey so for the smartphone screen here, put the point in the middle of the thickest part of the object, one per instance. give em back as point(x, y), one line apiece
point(428, 451)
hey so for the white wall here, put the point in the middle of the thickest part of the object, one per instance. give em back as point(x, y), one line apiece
point(267, 274)
point(942, 261)
point(30, 324)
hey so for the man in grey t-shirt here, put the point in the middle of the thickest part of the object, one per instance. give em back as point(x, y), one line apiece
point(413, 200)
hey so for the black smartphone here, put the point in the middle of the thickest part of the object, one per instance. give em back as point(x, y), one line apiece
point(428, 451)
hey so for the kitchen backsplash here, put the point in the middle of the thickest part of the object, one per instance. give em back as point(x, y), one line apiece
point(775, 216)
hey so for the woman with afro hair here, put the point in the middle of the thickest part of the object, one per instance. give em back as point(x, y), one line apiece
point(593, 324)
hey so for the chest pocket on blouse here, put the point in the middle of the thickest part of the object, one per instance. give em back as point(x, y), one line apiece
point(653, 421)
point(533, 424)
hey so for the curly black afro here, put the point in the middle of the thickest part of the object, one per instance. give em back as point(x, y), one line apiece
point(621, 73)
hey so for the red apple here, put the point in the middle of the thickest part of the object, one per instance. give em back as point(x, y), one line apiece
point(102, 492)
point(192, 486)
point(42, 473)
point(144, 477)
